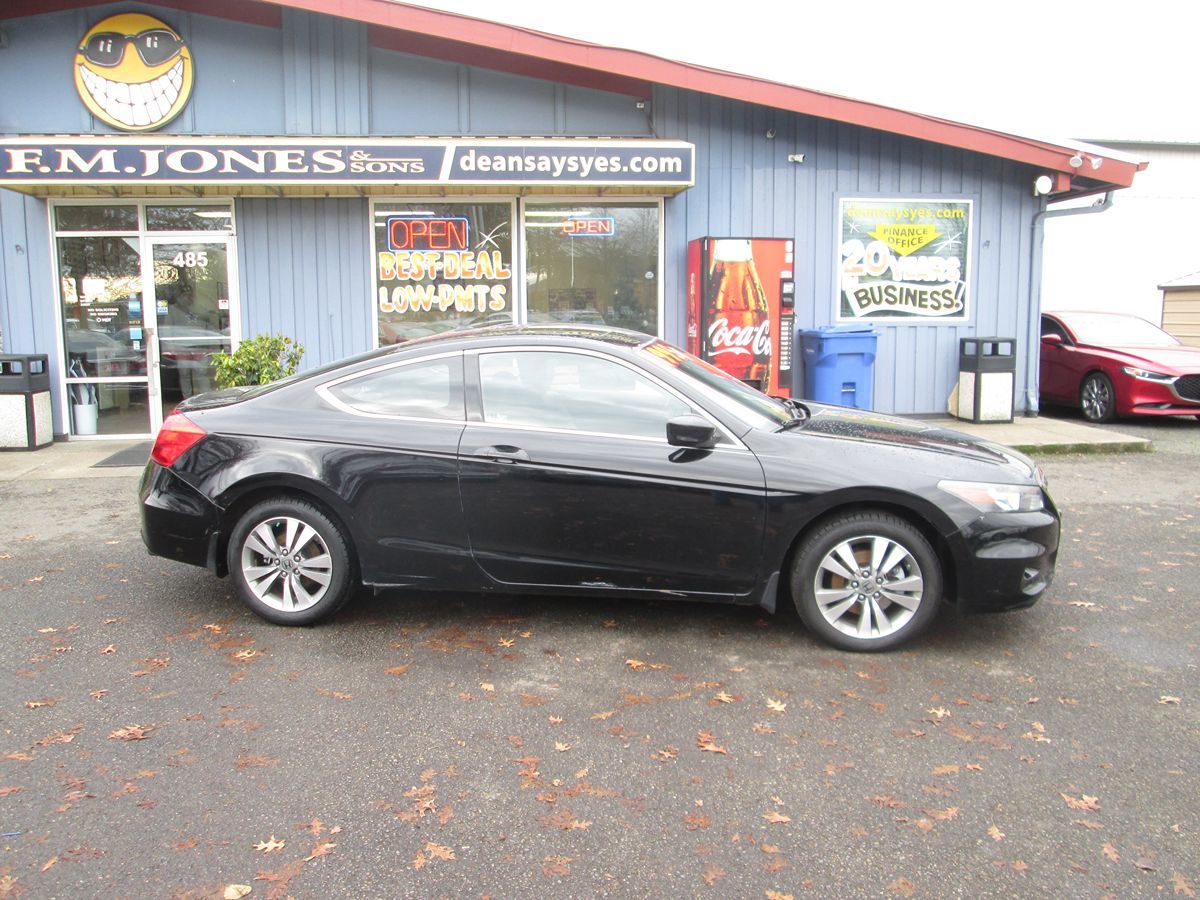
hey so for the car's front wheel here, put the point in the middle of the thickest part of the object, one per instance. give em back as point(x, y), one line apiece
point(1097, 399)
point(866, 581)
point(289, 562)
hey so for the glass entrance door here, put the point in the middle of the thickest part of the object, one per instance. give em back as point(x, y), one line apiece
point(189, 317)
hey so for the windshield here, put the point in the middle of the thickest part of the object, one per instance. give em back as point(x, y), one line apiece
point(1108, 330)
point(749, 405)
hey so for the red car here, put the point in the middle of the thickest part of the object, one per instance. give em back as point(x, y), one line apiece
point(1117, 365)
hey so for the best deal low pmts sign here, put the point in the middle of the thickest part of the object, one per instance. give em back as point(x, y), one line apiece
point(118, 160)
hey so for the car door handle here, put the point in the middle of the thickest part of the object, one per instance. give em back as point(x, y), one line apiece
point(503, 453)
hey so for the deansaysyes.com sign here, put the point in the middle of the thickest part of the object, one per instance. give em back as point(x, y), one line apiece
point(904, 260)
point(119, 160)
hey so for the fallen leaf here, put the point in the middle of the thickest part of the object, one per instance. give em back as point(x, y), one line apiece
point(946, 770)
point(246, 761)
point(558, 865)
point(131, 733)
point(694, 821)
point(561, 747)
point(779, 895)
point(1089, 803)
point(1145, 863)
point(1091, 826)
point(506, 642)
point(1020, 865)
point(1166, 700)
point(270, 845)
point(397, 670)
point(236, 891)
point(49, 864)
point(1111, 852)
point(995, 834)
point(776, 705)
point(487, 686)
point(723, 697)
point(604, 715)
point(110, 649)
point(777, 818)
point(903, 887)
point(437, 851)
point(712, 874)
point(322, 849)
point(1182, 885)
point(942, 815)
point(38, 704)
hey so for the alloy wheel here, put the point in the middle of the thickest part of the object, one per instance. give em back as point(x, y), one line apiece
point(286, 563)
point(868, 587)
point(1097, 399)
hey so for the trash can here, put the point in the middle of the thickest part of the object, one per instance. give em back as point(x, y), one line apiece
point(986, 373)
point(839, 364)
point(26, 421)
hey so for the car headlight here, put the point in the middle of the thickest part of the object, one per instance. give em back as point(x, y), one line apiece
point(1147, 375)
point(997, 497)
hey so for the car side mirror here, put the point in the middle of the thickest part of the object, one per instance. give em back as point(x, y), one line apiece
point(692, 432)
point(1052, 340)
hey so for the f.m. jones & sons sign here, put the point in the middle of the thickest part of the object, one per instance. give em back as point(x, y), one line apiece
point(125, 161)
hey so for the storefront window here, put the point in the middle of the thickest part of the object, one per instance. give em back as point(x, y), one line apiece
point(101, 283)
point(189, 218)
point(96, 218)
point(442, 266)
point(593, 264)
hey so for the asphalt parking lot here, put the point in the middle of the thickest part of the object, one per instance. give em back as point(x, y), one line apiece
point(158, 740)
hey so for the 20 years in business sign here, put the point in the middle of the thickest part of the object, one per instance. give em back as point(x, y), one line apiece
point(904, 260)
point(213, 161)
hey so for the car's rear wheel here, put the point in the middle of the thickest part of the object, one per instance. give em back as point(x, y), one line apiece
point(289, 562)
point(1097, 398)
point(866, 581)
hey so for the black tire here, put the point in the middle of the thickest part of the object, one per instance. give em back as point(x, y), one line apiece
point(838, 619)
point(299, 574)
point(1097, 399)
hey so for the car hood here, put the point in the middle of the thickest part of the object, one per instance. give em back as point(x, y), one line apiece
point(1168, 360)
point(864, 425)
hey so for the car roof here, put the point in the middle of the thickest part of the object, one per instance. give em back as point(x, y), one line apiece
point(616, 337)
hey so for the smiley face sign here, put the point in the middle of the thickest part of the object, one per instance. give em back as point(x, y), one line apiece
point(134, 72)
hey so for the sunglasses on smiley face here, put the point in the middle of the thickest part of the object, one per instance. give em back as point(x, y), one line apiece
point(155, 46)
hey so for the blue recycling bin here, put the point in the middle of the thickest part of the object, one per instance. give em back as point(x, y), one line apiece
point(839, 364)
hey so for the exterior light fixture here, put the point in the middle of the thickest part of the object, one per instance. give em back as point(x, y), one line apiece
point(1042, 185)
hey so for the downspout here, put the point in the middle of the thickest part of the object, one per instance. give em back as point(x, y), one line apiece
point(1033, 337)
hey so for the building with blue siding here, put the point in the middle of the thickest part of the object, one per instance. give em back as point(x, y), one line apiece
point(364, 172)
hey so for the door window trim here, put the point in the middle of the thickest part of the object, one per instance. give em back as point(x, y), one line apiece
point(726, 440)
point(325, 392)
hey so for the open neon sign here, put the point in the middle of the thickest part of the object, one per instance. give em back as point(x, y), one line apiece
point(590, 226)
point(427, 233)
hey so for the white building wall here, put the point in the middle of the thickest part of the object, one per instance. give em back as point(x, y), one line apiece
point(1116, 260)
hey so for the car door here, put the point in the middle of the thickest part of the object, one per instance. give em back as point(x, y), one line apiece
point(567, 480)
point(1057, 378)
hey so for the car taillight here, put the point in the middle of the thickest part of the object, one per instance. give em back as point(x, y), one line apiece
point(178, 433)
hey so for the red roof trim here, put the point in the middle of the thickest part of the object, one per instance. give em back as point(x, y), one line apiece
point(516, 42)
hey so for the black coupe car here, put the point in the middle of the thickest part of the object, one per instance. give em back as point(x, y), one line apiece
point(570, 459)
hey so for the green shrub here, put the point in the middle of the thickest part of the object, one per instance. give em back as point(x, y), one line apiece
point(258, 360)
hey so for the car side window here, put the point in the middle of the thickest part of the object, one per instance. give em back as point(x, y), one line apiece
point(426, 390)
point(574, 392)
point(1049, 326)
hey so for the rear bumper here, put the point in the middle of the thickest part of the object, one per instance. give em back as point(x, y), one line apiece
point(178, 522)
point(1006, 560)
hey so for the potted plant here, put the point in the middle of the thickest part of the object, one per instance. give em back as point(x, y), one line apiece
point(258, 360)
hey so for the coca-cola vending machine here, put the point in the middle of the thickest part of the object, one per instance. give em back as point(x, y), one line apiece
point(741, 308)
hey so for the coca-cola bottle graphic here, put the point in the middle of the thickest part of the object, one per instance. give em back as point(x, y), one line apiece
point(739, 320)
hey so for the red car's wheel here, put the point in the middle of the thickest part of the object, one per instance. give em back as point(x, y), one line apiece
point(1097, 398)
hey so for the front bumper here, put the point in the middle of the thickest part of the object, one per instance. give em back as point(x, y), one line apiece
point(1148, 398)
point(178, 522)
point(1006, 560)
